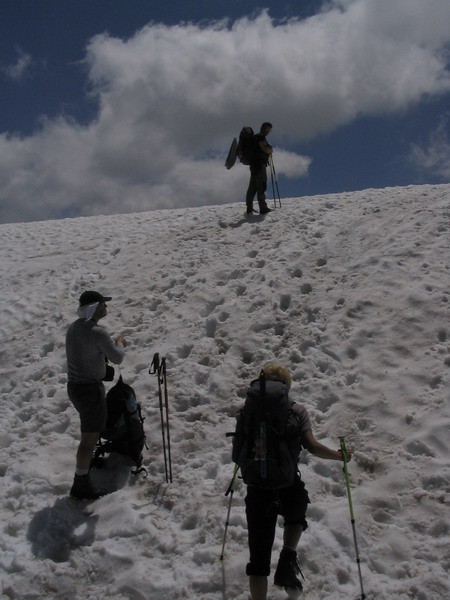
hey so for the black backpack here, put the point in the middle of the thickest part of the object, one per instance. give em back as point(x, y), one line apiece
point(267, 441)
point(247, 146)
point(124, 425)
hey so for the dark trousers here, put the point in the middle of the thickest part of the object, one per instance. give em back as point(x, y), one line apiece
point(257, 185)
point(262, 510)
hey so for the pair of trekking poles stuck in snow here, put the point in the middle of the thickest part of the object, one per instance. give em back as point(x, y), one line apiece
point(232, 487)
point(273, 177)
point(158, 368)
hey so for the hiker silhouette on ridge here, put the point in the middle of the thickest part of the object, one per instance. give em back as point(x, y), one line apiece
point(261, 150)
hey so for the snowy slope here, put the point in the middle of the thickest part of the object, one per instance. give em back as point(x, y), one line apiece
point(350, 291)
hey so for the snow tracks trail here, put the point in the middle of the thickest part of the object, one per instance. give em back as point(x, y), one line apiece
point(350, 291)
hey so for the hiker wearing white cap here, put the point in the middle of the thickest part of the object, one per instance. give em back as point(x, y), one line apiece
point(88, 348)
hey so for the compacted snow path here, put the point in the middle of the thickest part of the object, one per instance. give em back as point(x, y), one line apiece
point(350, 291)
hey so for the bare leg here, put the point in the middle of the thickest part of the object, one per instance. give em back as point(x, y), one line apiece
point(258, 587)
point(291, 535)
point(86, 449)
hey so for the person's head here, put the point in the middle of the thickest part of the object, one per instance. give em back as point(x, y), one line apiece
point(93, 305)
point(276, 372)
point(266, 128)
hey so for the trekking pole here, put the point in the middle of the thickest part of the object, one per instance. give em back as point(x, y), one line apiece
point(263, 424)
point(229, 492)
point(271, 177)
point(274, 182)
point(352, 516)
point(166, 403)
point(155, 369)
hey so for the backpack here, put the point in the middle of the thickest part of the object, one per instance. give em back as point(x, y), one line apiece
point(267, 441)
point(124, 431)
point(247, 146)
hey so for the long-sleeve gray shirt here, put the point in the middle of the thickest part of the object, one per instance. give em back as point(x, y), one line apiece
point(87, 345)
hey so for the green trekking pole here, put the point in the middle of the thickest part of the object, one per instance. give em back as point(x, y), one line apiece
point(352, 516)
point(229, 492)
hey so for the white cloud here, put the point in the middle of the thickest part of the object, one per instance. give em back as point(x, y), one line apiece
point(434, 156)
point(18, 70)
point(291, 164)
point(171, 98)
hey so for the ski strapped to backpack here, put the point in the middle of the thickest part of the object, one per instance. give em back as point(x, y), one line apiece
point(232, 154)
point(124, 431)
point(158, 368)
point(267, 441)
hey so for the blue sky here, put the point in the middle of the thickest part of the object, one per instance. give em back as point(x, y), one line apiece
point(110, 106)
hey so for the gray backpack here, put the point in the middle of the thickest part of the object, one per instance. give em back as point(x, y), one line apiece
point(267, 440)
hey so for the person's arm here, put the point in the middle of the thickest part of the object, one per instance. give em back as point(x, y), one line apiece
point(265, 147)
point(318, 449)
point(113, 350)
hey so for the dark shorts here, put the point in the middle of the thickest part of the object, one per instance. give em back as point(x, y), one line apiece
point(89, 400)
point(262, 510)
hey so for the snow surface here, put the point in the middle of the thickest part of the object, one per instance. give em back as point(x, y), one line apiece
point(350, 291)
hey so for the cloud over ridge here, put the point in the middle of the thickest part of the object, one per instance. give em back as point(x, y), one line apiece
point(170, 99)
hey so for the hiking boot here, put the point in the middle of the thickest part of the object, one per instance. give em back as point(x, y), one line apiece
point(82, 489)
point(265, 210)
point(250, 210)
point(287, 570)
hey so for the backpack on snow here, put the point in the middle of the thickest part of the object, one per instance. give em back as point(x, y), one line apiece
point(267, 442)
point(124, 426)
